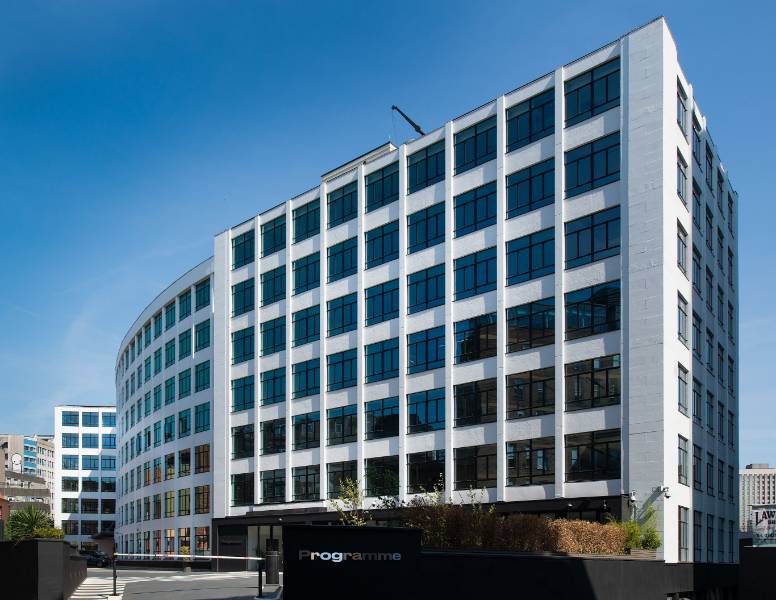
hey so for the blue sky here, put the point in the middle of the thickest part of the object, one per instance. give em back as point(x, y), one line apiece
point(131, 132)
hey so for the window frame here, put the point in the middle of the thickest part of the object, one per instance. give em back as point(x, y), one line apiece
point(539, 109)
point(384, 296)
point(475, 145)
point(273, 236)
point(585, 157)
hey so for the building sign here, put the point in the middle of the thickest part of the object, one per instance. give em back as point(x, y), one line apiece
point(330, 561)
point(764, 525)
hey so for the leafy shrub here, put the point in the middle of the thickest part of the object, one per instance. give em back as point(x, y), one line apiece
point(471, 526)
point(650, 539)
point(23, 523)
point(48, 532)
point(632, 532)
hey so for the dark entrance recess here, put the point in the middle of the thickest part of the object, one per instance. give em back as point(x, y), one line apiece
point(232, 545)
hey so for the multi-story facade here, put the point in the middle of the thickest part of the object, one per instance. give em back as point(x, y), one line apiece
point(29, 454)
point(164, 397)
point(45, 450)
point(85, 474)
point(756, 486)
point(22, 489)
point(537, 300)
point(29, 468)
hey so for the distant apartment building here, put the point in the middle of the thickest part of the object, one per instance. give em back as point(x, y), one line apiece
point(85, 474)
point(24, 489)
point(756, 486)
point(29, 454)
point(28, 474)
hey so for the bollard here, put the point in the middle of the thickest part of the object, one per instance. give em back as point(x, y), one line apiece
point(114, 569)
point(260, 594)
point(273, 567)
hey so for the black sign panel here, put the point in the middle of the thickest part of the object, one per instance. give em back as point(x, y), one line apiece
point(335, 561)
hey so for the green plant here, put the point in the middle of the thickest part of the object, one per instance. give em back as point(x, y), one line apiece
point(350, 505)
point(640, 534)
point(650, 539)
point(632, 531)
point(48, 532)
point(24, 522)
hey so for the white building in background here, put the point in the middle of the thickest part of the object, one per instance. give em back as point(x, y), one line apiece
point(538, 299)
point(756, 486)
point(85, 474)
point(164, 397)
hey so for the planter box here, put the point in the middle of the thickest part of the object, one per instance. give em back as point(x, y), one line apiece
point(643, 554)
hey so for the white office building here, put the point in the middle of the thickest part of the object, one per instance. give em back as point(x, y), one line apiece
point(85, 474)
point(756, 486)
point(537, 300)
point(164, 396)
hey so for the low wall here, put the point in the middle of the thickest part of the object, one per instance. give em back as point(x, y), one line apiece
point(382, 563)
point(756, 574)
point(570, 578)
point(40, 569)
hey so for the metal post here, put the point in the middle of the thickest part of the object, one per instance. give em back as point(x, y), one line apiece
point(114, 569)
point(261, 594)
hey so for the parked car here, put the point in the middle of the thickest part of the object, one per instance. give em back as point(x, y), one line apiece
point(95, 558)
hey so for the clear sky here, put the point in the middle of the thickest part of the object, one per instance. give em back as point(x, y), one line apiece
point(131, 132)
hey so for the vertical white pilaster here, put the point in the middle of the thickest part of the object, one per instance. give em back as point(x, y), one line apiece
point(501, 276)
point(322, 379)
point(403, 302)
point(449, 297)
point(560, 317)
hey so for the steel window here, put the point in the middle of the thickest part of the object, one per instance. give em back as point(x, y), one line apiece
point(426, 228)
point(475, 273)
point(475, 209)
point(531, 256)
point(426, 167)
point(475, 145)
point(531, 325)
point(531, 120)
point(593, 92)
point(426, 289)
point(382, 187)
point(531, 394)
point(307, 220)
point(593, 237)
point(242, 393)
point(593, 165)
point(382, 302)
point(273, 236)
point(342, 204)
point(273, 386)
point(382, 244)
point(531, 188)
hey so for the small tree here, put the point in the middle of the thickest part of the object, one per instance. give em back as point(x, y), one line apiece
point(642, 533)
point(30, 522)
point(650, 538)
point(350, 505)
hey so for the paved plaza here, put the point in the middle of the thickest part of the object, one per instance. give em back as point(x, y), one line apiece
point(134, 584)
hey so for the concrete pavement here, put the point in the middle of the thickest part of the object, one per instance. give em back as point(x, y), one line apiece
point(172, 585)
